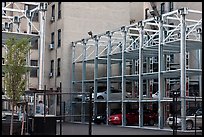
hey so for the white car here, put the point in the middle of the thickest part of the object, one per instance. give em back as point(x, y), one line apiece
point(190, 119)
point(155, 95)
point(114, 94)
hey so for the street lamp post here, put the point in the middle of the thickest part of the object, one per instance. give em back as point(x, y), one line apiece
point(174, 112)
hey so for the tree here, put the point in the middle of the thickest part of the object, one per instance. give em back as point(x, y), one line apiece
point(15, 70)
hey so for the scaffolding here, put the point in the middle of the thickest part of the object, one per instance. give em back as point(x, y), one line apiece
point(17, 21)
point(139, 55)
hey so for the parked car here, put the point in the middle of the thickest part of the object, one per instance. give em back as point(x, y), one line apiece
point(6, 116)
point(172, 93)
point(155, 95)
point(150, 118)
point(190, 119)
point(99, 119)
point(114, 94)
point(79, 96)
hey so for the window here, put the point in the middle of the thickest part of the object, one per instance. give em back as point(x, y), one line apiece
point(162, 8)
point(31, 7)
point(146, 13)
point(33, 72)
point(172, 58)
point(171, 6)
point(3, 60)
point(4, 5)
point(58, 66)
point(36, 33)
point(59, 38)
point(52, 38)
point(34, 44)
point(53, 10)
point(35, 17)
point(52, 66)
point(59, 10)
point(170, 28)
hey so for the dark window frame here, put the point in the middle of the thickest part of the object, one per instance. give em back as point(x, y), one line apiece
point(34, 44)
point(162, 8)
point(171, 6)
point(53, 11)
point(53, 38)
point(52, 66)
point(59, 10)
point(3, 60)
point(146, 13)
point(34, 71)
point(58, 66)
point(59, 37)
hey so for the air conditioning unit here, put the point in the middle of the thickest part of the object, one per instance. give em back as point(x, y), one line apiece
point(52, 19)
point(16, 19)
point(28, 13)
point(51, 46)
point(51, 74)
point(199, 30)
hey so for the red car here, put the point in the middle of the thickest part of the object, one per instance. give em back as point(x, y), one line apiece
point(150, 118)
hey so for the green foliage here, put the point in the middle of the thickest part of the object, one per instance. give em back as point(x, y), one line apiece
point(15, 67)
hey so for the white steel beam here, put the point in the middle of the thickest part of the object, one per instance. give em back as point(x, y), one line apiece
point(183, 68)
point(140, 73)
point(13, 10)
point(30, 3)
point(123, 29)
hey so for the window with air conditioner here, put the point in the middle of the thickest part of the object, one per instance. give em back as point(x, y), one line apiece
point(51, 45)
point(53, 13)
point(50, 74)
point(52, 19)
point(51, 68)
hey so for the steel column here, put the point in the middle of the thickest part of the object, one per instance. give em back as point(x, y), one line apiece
point(83, 81)
point(160, 77)
point(141, 25)
point(42, 49)
point(109, 34)
point(183, 13)
point(123, 107)
point(73, 76)
point(95, 74)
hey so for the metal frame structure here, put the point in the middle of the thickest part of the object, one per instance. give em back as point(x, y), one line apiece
point(13, 14)
point(130, 47)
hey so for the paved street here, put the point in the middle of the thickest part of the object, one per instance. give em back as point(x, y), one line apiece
point(83, 129)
